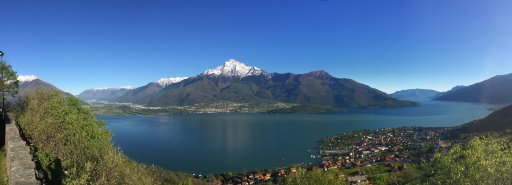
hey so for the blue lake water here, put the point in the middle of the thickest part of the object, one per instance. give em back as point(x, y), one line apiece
point(223, 142)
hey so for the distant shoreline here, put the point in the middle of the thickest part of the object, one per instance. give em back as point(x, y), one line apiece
point(108, 108)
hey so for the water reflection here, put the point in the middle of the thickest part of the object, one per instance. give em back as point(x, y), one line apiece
point(214, 143)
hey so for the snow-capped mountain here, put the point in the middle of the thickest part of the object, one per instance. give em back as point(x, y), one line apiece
point(234, 68)
point(116, 94)
point(29, 83)
point(128, 94)
point(164, 82)
point(236, 82)
point(231, 68)
point(26, 78)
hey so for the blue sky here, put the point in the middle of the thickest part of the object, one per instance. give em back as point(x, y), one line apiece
point(389, 45)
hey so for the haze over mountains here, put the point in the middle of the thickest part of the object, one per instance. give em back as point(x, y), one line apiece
point(496, 90)
point(416, 94)
point(421, 94)
point(236, 82)
point(103, 94)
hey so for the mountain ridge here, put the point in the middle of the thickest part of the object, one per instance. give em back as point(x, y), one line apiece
point(239, 83)
point(236, 82)
point(495, 90)
point(498, 122)
point(103, 94)
point(416, 94)
point(29, 83)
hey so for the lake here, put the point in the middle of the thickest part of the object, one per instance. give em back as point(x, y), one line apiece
point(236, 142)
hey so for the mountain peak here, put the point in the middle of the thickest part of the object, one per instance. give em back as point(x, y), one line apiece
point(168, 81)
point(234, 68)
point(232, 62)
point(27, 78)
point(318, 73)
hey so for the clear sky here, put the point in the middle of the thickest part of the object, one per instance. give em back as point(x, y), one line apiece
point(389, 45)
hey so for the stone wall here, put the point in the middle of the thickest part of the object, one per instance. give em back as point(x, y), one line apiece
point(20, 167)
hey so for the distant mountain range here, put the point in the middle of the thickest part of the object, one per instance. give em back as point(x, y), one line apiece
point(103, 94)
point(236, 82)
point(496, 90)
point(416, 94)
point(142, 95)
point(420, 94)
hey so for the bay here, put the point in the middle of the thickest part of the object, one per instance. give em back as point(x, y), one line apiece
point(238, 142)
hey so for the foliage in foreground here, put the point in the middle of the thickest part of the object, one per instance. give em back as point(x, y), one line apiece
point(3, 170)
point(317, 177)
point(73, 147)
point(483, 160)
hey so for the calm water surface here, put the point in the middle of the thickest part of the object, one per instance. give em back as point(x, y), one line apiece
point(216, 143)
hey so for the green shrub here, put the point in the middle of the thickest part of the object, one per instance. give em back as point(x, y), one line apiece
point(317, 177)
point(483, 160)
point(73, 147)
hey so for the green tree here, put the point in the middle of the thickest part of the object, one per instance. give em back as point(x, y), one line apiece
point(9, 83)
point(483, 160)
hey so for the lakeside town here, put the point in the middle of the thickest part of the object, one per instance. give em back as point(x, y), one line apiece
point(381, 146)
point(361, 156)
point(102, 107)
point(114, 108)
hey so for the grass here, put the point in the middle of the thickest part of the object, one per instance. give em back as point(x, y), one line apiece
point(3, 171)
point(3, 174)
point(3, 164)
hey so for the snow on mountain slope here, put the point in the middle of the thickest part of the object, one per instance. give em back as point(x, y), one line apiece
point(168, 81)
point(27, 78)
point(234, 68)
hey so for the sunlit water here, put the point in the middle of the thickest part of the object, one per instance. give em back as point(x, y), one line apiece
point(216, 143)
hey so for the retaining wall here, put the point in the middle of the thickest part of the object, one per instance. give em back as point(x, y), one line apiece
point(20, 167)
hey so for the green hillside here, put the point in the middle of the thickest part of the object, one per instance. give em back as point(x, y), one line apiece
point(312, 89)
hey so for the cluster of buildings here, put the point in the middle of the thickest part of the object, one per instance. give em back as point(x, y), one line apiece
point(383, 146)
point(136, 106)
point(197, 108)
point(232, 107)
point(394, 148)
point(261, 177)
